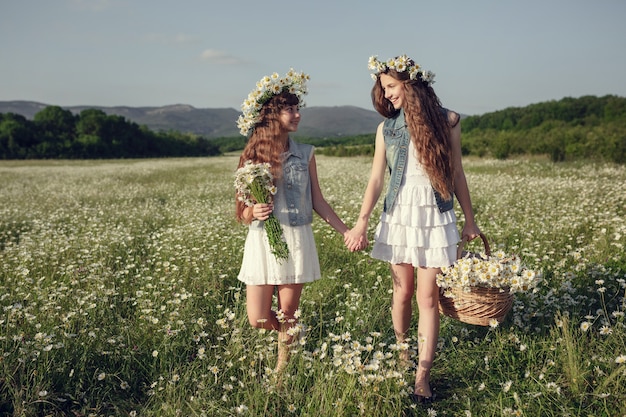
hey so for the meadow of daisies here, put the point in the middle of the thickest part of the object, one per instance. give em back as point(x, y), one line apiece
point(119, 297)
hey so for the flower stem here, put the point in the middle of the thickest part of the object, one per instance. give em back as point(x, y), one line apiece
point(274, 232)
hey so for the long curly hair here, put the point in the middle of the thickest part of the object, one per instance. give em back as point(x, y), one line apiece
point(428, 125)
point(262, 145)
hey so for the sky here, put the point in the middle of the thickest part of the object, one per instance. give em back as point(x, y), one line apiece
point(487, 55)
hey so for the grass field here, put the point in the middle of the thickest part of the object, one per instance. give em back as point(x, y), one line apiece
point(119, 297)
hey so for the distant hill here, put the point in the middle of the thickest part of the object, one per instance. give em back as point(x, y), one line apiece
point(317, 122)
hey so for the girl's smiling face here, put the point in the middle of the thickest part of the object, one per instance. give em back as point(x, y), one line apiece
point(393, 90)
point(289, 118)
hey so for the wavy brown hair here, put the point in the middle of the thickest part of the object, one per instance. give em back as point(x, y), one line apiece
point(428, 125)
point(262, 145)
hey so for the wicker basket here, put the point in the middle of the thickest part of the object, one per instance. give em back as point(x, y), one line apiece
point(480, 305)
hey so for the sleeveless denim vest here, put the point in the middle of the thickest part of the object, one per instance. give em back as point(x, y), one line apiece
point(297, 183)
point(296, 186)
point(397, 139)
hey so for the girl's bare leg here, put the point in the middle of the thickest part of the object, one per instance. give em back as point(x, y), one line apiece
point(261, 315)
point(288, 302)
point(428, 327)
point(401, 308)
point(259, 307)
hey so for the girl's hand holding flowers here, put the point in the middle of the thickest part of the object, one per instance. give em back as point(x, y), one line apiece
point(262, 211)
point(255, 188)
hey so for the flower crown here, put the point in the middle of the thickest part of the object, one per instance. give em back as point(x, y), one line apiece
point(293, 82)
point(401, 63)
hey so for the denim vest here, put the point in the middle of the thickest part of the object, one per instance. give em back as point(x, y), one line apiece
point(296, 183)
point(397, 139)
point(294, 187)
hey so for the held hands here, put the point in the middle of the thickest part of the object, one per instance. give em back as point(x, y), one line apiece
point(356, 239)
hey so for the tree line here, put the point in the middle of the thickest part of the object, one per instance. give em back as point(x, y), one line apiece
point(589, 127)
point(58, 133)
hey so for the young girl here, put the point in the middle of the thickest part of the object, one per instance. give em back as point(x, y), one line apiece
point(420, 143)
point(270, 113)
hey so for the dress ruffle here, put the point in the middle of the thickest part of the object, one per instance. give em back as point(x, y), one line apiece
point(414, 231)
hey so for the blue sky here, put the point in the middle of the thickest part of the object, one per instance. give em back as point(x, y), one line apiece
point(487, 55)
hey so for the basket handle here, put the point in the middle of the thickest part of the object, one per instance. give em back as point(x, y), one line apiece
point(459, 249)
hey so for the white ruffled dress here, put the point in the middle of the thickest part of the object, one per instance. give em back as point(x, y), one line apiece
point(414, 231)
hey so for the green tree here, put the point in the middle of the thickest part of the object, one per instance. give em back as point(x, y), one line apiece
point(17, 136)
point(57, 129)
point(90, 122)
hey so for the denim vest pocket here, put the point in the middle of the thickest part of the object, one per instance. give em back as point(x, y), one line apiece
point(392, 135)
point(296, 172)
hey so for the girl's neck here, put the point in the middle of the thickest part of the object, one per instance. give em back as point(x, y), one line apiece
point(283, 141)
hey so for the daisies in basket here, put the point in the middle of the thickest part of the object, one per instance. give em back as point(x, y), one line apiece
point(254, 184)
point(497, 270)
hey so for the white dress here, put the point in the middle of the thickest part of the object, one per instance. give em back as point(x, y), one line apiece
point(260, 267)
point(414, 231)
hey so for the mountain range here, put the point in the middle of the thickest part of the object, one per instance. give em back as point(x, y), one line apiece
point(317, 122)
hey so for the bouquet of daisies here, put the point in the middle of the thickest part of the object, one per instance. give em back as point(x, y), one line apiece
point(254, 184)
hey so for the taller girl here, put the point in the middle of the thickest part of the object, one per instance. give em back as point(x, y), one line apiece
point(420, 143)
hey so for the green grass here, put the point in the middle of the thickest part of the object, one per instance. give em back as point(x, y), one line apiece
point(118, 296)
